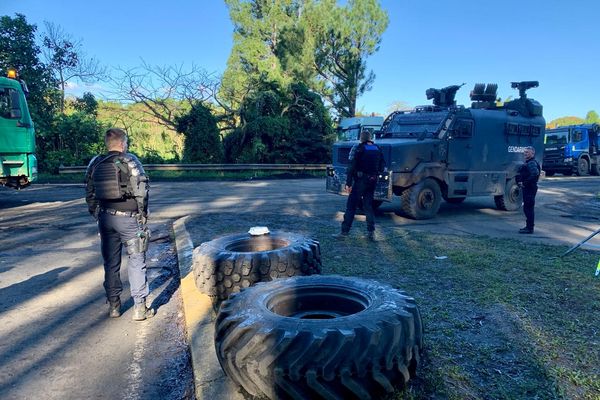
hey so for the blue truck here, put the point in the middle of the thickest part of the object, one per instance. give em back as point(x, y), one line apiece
point(572, 150)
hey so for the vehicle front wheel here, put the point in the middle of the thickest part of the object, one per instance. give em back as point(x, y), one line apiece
point(549, 173)
point(423, 200)
point(583, 167)
point(512, 198)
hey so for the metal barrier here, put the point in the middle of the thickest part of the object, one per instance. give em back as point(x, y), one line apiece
point(213, 167)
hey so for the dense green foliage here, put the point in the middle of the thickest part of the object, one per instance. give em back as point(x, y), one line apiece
point(202, 141)
point(281, 127)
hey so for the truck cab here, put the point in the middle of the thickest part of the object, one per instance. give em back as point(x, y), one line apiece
point(18, 164)
point(450, 152)
point(572, 149)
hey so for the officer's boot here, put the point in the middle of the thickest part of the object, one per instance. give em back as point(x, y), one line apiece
point(141, 311)
point(114, 308)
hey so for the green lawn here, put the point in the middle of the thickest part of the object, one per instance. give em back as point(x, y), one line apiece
point(503, 319)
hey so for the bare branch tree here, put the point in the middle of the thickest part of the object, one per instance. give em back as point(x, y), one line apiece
point(67, 60)
point(165, 91)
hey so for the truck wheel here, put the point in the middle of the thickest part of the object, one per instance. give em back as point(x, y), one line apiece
point(583, 167)
point(512, 198)
point(319, 337)
point(549, 173)
point(596, 169)
point(228, 264)
point(422, 201)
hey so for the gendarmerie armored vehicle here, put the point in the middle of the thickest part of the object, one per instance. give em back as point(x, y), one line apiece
point(447, 151)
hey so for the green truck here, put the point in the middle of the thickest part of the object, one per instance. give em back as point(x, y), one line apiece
point(18, 165)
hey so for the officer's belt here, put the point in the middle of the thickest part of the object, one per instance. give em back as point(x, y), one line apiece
point(117, 212)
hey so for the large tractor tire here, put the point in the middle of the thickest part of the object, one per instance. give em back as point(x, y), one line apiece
point(228, 264)
point(583, 167)
point(595, 169)
point(512, 198)
point(422, 201)
point(319, 337)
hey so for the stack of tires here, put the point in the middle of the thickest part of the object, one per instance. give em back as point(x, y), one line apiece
point(305, 337)
point(228, 264)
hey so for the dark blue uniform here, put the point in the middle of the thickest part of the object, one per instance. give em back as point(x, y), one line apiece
point(121, 221)
point(529, 174)
point(364, 169)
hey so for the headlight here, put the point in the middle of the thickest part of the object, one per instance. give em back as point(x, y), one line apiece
point(568, 159)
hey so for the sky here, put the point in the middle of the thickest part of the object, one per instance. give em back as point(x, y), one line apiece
point(428, 44)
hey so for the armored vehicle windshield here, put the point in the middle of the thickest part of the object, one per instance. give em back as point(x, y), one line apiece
point(411, 125)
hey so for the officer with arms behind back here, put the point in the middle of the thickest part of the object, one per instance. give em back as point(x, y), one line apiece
point(366, 165)
point(527, 178)
point(117, 196)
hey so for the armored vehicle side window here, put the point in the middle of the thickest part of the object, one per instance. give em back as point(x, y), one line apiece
point(463, 128)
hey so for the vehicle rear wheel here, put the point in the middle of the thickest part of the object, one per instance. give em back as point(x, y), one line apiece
point(422, 201)
point(583, 167)
point(596, 169)
point(512, 198)
point(228, 264)
point(319, 337)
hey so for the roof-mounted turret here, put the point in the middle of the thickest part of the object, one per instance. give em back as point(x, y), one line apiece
point(443, 97)
point(484, 96)
point(523, 86)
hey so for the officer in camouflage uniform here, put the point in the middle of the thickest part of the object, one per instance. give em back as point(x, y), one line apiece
point(527, 179)
point(117, 196)
point(365, 166)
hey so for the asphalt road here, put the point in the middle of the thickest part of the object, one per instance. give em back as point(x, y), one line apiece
point(57, 342)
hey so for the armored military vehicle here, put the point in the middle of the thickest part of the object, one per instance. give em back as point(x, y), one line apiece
point(447, 151)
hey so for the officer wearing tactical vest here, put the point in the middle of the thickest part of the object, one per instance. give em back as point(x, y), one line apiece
point(527, 178)
point(365, 166)
point(117, 196)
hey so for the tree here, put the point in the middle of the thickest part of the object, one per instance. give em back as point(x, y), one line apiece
point(166, 92)
point(345, 37)
point(18, 50)
point(270, 46)
point(202, 140)
point(564, 121)
point(592, 117)
point(291, 126)
point(68, 61)
point(87, 104)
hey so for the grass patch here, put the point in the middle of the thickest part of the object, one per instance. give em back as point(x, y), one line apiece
point(503, 319)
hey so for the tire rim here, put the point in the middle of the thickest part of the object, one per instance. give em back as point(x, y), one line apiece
point(513, 194)
point(256, 243)
point(317, 303)
point(426, 199)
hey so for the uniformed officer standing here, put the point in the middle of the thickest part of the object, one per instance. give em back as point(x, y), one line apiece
point(361, 180)
point(527, 179)
point(117, 196)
